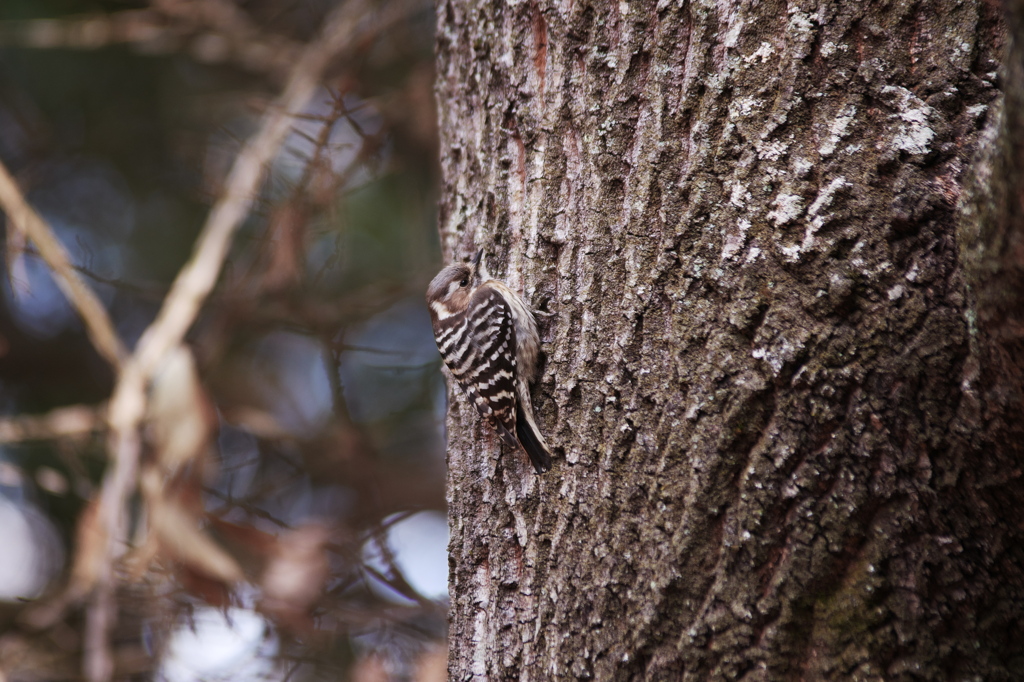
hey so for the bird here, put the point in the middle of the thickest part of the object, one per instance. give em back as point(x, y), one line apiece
point(488, 338)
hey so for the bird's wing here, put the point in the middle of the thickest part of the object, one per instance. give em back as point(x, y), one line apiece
point(484, 361)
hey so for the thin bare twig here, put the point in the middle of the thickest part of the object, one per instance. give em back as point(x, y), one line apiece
point(29, 223)
point(63, 422)
point(141, 290)
point(188, 293)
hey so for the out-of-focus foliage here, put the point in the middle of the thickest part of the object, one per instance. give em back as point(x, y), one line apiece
point(287, 516)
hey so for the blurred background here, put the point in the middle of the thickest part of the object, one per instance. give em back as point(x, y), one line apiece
point(313, 372)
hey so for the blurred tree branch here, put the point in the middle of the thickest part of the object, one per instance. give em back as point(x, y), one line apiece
point(64, 422)
point(198, 276)
point(270, 288)
point(343, 31)
point(210, 32)
point(32, 226)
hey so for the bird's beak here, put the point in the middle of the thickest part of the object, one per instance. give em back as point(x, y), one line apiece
point(476, 263)
point(479, 266)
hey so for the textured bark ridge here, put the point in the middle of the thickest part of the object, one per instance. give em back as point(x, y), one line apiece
point(784, 449)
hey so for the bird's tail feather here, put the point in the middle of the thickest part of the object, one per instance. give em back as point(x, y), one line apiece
point(531, 440)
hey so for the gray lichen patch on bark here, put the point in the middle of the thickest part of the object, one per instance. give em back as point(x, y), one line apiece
point(742, 219)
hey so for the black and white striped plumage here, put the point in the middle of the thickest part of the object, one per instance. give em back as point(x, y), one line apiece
point(488, 338)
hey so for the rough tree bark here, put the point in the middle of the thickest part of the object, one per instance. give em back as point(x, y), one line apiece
point(781, 248)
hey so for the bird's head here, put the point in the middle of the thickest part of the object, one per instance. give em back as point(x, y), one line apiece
point(449, 292)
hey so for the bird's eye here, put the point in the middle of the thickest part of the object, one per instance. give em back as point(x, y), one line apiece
point(463, 282)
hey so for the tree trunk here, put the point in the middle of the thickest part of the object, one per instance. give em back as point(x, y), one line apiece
point(784, 354)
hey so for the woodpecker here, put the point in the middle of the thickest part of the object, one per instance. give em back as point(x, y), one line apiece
point(488, 338)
